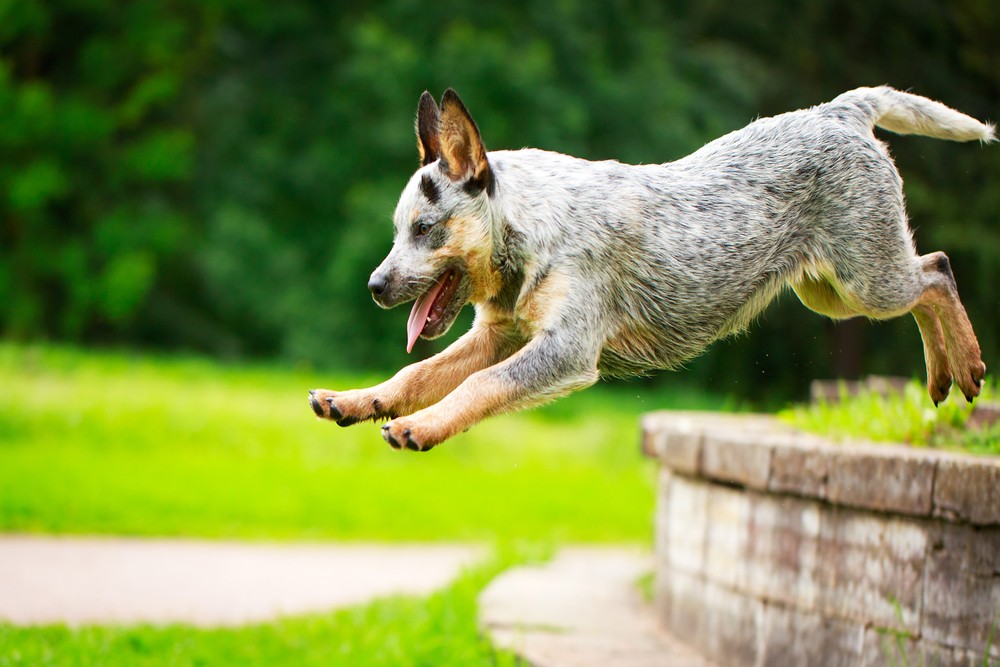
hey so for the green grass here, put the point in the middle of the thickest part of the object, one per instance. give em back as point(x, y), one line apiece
point(909, 417)
point(439, 631)
point(126, 444)
point(132, 444)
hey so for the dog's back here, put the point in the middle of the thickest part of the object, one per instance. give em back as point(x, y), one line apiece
point(584, 268)
point(686, 252)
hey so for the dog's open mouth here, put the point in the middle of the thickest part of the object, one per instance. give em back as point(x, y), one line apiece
point(429, 308)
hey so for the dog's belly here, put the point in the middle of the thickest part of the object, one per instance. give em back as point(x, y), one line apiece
point(638, 351)
point(661, 332)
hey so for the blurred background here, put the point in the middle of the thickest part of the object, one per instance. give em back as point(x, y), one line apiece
point(193, 195)
point(218, 177)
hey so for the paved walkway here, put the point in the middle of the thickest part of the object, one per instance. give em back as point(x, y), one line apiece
point(582, 609)
point(113, 580)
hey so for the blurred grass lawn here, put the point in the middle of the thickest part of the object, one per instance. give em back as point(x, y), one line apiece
point(137, 445)
point(438, 631)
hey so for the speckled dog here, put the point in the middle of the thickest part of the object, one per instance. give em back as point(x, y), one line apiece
point(580, 269)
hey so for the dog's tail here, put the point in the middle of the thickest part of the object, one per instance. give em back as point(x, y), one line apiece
point(905, 113)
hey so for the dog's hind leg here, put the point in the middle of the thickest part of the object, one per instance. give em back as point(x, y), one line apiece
point(939, 377)
point(925, 287)
point(940, 295)
point(819, 295)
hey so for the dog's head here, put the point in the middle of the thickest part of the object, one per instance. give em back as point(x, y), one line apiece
point(441, 251)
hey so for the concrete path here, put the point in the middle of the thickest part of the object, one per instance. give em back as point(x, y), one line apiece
point(582, 609)
point(124, 581)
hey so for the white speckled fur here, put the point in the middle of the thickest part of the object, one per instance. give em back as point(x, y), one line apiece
point(619, 269)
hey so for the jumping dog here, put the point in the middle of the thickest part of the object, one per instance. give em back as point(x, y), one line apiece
point(579, 269)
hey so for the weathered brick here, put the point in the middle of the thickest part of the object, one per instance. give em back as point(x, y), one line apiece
point(687, 506)
point(800, 466)
point(881, 477)
point(728, 519)
point(968, 488)
point(680, 603)
point(868, 564)
point(984, 415)
point(661, 517)
point(653, 439)
point(732, 632)
point(848, 542)
point(962, 589)
point(736, 457)
point(832, 391)
point(977, 660)
point(781, 549)
point(675, 437)
point(682, 447)
point(883, 648)
point(795, 637)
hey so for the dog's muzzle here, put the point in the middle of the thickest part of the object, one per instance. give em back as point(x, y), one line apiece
point(377, 285)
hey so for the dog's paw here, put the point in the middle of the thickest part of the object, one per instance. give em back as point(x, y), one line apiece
point(939, 388)
point(939, 383)
point(971, 381)
point(324, 404)
point(408, 434)
point(345, 408)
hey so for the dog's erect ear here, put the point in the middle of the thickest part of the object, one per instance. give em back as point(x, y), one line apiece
point(428, 129)
point(463, 155)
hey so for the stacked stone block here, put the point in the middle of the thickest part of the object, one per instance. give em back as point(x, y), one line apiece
point(779, 548)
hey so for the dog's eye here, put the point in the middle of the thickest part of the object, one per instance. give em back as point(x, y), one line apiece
point(423, 228)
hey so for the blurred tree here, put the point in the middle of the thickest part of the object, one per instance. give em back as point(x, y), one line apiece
point(817, 50)
point(97, 160)
point(313, 167)
point(222, 175)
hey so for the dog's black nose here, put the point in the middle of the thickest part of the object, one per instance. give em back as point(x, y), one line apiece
point(377, 285)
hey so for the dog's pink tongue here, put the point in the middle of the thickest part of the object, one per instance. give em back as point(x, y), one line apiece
point(418, 316)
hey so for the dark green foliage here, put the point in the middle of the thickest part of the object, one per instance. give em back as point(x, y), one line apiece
point(221, 175)
point(97, 160)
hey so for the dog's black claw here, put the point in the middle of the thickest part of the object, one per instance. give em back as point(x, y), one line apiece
point(348, 421)
point(387, 434)
point(314, 404)
point(334, 412)
point(410, 443)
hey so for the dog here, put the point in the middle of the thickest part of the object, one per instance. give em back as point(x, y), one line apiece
point(579, 269)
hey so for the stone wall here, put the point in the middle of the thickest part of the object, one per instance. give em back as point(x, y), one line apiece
point(779, 548)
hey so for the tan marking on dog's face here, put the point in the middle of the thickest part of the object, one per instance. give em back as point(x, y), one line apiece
point(469, 239)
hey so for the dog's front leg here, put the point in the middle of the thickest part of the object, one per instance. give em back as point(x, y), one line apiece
point(422, 383)
point(551, 365)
